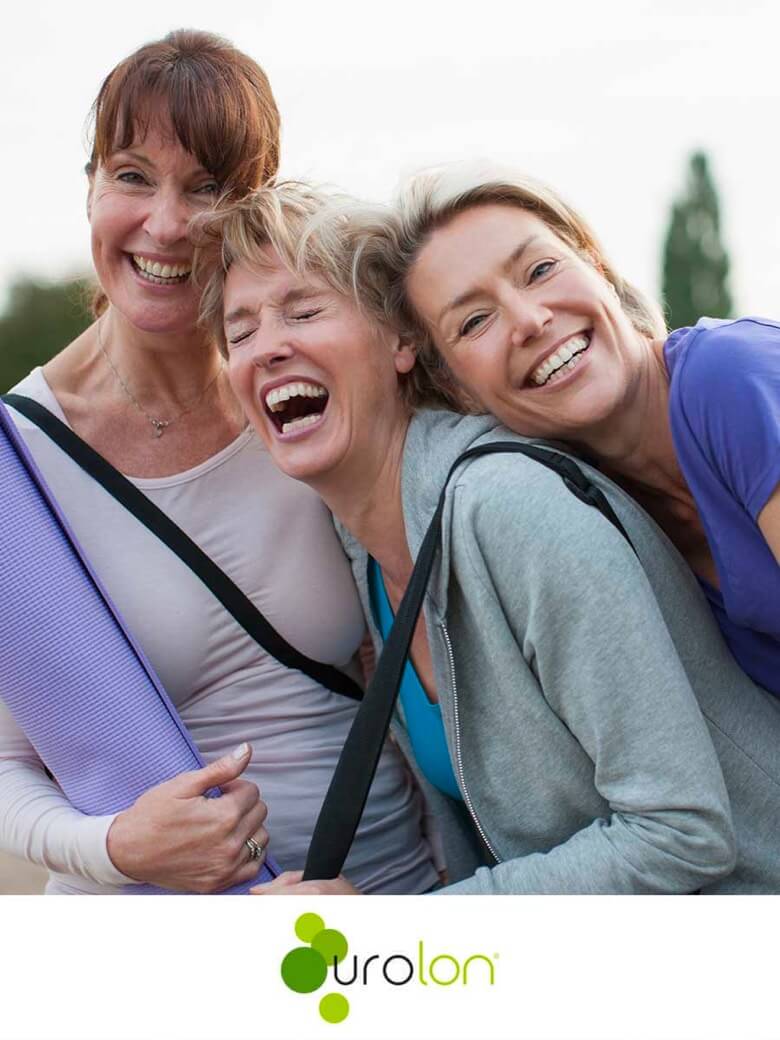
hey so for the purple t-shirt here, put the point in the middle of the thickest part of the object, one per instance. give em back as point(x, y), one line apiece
point(724, 407)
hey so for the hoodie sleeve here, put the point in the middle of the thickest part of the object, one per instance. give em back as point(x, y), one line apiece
point(575, 599)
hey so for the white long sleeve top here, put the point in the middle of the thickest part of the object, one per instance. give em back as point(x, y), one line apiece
point(274, 537)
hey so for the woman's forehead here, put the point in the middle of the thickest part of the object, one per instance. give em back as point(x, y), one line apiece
point(266, 278)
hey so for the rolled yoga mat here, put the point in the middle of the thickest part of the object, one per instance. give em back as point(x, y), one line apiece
point(70, 672)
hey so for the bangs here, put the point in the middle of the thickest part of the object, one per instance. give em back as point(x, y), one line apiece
point(216, 103)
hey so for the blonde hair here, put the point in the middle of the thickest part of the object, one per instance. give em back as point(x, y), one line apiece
point(429, 201)
point(316, 234)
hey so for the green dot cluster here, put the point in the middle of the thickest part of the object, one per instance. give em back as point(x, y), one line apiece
point(305, 968)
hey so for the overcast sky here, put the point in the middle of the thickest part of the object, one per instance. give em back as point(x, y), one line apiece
point(603, 100)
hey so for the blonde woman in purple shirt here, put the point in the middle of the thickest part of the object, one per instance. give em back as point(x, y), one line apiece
point(506, 289)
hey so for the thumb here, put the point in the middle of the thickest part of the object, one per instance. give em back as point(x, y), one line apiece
point(215, 774)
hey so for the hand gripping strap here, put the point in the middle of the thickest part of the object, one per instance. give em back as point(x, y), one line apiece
point(346, 797)
point(237, 604)
point(70, 673)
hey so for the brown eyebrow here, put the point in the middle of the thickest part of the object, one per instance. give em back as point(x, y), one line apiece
point(127, 153)
point(135, 156)
point(291, 296)
point(470, 295)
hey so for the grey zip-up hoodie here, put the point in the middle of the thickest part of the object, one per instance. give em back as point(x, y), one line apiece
point(569, 675)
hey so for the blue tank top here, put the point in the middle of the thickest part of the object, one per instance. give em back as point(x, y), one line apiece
point(423, 718)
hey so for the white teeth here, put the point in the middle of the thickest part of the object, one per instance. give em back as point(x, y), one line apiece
point(161, 271)
point(275, 398)
point(565, 358)
point(299, 424)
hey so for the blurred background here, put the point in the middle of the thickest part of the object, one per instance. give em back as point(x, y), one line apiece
point(655, 118)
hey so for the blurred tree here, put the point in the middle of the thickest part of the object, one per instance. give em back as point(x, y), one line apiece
point(695, 262)
point(40, 319)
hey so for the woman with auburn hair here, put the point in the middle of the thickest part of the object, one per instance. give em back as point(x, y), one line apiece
point(179, 122)
point(568, 703)
point(504, 288)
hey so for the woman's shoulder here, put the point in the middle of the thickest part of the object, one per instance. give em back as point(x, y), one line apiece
point(35, 386)
point(714, 353)
point(724, 407)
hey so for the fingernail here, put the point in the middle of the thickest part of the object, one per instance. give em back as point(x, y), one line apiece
point(241, 750)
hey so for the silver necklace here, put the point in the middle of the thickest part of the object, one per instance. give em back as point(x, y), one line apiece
point(159, 425)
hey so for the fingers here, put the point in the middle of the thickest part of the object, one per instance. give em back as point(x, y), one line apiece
point(243, 795)
point(285, 884)
point(291, 883)
point(252, 824)
point(215, 774)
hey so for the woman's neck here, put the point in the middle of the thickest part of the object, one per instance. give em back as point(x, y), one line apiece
point(635, 449)
point(366, 496)
point(164, 370)
point(115, 382)
point(635, 444)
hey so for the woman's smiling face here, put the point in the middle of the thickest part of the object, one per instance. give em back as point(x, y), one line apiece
point(524, 322)
point(141, 200)
point(317, 380)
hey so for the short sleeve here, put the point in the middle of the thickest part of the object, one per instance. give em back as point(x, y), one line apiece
point(725, 404)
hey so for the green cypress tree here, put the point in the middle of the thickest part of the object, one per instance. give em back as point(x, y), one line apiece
point(695, 261)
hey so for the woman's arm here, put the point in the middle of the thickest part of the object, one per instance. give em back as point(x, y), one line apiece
point(171, 836)
point(39, 824)
point(595, 647)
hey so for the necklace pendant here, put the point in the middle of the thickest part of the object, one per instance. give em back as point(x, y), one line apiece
point(159, 426)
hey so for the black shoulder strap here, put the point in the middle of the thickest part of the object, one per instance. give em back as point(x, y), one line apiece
point(346, 797)
point(213, 577)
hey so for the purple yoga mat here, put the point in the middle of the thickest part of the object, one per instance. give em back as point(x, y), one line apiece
point(70, 672)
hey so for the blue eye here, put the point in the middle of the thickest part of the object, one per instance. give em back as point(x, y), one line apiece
point(472, 323)
point(212, 188)
point(540, 270)
point(131, 177)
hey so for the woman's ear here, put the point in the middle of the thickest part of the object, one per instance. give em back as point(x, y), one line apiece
point(404, 355)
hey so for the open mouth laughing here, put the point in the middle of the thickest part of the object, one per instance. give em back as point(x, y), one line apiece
point(561, 362)
point(295, 405)
point(160, 274)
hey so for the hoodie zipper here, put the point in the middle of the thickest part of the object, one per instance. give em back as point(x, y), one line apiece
point(458, 752)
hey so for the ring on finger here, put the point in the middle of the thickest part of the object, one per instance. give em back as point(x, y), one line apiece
point(255, 848)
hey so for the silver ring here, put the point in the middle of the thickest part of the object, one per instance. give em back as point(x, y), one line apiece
point(255, 848)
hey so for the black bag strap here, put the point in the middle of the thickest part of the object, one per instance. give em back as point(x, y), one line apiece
point(346, 797)
point(237, 603)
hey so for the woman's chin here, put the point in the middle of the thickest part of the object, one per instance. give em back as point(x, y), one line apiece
point(564, 419)
point(162, 317)
point(305, 458)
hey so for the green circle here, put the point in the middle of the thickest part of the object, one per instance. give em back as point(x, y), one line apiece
point(307, 926)
point(334, 1008)
point(330, 944)
point(304, 970)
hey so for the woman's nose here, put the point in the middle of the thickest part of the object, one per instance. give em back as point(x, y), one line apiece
point(530, 317)
point(166, 223)
point(270, 350)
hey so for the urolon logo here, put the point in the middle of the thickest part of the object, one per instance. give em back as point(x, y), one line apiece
point(305, 969)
